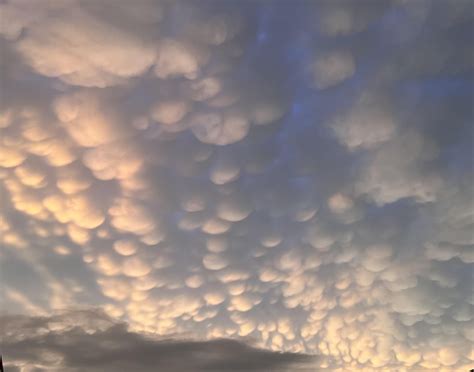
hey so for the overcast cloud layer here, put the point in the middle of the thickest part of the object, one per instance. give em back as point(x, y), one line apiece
point(201, 176)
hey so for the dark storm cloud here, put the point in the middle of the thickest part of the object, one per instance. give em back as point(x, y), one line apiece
point(89, 340)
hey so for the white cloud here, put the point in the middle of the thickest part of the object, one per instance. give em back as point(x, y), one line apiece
point(214, 262)
point(216, 226)
point(220, 130)
point(214, 298)
point(332, 68)
point(396, 171)
point(86, 121)
point(216, 244)
point(135, 267)
point(205, 89)
point(177, 158)
point(234, 208)
point(194, 281)
point(225, 170)
point(169, 112)
point(125, 247)
point(52, 43)
point(340, 203)
point(243, 303)
point(176, 58)
point(11, 157)
point(128, 216)
point(366, 126)
point(116, 160)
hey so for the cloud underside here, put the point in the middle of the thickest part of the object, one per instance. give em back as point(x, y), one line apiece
point(296, 173)
point(79, 340)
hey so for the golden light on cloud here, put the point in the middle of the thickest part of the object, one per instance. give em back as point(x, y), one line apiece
point(288, 172)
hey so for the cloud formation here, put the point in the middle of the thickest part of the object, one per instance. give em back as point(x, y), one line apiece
point(294, 173)
point(79, 340)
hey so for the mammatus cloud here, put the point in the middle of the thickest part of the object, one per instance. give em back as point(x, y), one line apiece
point(294, 173)
point(77, 45)
point(333, 68)
point(87, 339)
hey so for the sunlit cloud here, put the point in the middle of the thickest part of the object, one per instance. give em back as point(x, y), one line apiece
point(291, 180)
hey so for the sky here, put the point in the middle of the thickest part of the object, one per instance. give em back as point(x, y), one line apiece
point(236, 185)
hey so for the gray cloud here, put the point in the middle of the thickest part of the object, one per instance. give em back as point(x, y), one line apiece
point(79, 340)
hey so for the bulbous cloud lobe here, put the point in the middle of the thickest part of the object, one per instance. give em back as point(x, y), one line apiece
point(294, 173)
